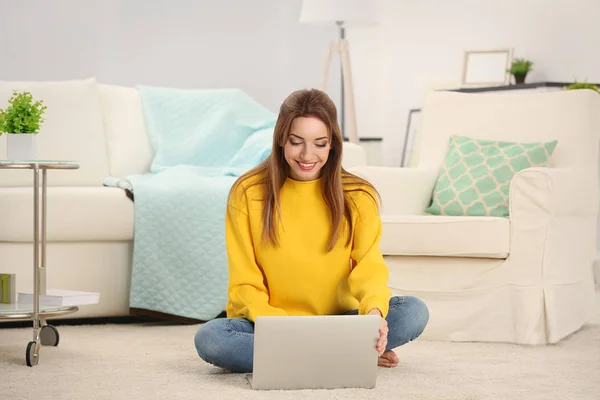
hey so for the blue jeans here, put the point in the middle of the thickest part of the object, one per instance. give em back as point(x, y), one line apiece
point(229, 342)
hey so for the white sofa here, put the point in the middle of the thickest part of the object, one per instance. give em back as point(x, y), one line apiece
point(90, 227)
point(524, 279)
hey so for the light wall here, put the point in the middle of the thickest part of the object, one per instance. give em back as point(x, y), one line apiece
point(420, 45)
point(260, 47)
point(256, 45)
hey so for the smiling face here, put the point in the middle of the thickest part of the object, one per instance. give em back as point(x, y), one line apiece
point(307, 148)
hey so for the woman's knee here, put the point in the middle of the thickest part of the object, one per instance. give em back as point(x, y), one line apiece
point(208, 340)
point(419, 313)
point(408, 317)
point(226, 343)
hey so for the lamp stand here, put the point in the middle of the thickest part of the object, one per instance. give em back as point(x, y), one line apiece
point(347, 90)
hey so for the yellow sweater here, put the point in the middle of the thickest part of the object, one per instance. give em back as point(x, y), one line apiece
point(299, 277)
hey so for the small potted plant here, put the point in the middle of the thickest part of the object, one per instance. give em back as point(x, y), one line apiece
point(583, 85)
point(519, 69)
point(21, 121)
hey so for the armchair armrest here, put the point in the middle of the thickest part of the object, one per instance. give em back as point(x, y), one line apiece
point(405, 191)
point(555, 192)
point(553, 216)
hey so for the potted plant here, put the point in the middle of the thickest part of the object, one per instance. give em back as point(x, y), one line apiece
point(583, 85)
point(21, 121)
point(519, 69)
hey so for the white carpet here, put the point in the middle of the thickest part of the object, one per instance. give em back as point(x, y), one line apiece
point(159, 362)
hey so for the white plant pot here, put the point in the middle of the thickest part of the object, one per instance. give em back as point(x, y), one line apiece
point(21, 146)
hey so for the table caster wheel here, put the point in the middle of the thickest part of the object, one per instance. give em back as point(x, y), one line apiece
point(49, 336)
point(30, 356)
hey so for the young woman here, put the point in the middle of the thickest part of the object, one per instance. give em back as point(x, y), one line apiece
point(302, 237)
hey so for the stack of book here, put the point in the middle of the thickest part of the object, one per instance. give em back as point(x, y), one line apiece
point(8, 293)
point(61, 298)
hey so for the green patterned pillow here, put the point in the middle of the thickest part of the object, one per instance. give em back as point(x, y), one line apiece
point(475, 178)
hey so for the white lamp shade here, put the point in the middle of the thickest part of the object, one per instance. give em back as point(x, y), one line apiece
point(351, 12)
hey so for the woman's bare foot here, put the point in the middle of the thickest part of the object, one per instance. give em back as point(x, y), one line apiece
point(389, 359)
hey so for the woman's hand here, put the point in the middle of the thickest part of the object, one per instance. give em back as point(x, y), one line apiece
point(383, 332)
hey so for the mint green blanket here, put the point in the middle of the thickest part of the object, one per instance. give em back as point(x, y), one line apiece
point(203, 140)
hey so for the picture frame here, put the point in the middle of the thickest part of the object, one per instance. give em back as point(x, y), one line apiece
point(412, 128)
point(486, 67)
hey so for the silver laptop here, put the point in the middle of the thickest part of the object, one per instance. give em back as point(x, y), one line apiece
point(321, 352)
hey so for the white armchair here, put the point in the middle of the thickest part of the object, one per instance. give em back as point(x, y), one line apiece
point(524, 279)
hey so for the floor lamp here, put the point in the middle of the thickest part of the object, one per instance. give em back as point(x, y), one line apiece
point(343, 13)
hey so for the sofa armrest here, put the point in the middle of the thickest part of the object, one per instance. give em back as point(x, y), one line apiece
point(555, 192)
point(553, 214)
point(403, 191)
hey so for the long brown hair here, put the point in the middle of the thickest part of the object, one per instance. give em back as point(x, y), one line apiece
point(336, 182)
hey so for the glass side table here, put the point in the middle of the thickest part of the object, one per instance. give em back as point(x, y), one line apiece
point(43, 334)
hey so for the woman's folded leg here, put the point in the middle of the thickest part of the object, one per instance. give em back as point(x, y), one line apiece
point(227, 343)
point(407, 319)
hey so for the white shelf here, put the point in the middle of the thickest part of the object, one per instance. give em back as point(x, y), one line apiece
point(25, 308)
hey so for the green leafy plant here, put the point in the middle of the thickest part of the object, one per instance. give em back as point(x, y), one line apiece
point(582, 85)
point(520, 67)
point(23, 115)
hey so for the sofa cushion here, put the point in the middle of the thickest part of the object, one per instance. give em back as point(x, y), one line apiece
point(73, 130)
point(446, 236)
point(477, 173)
point(129, 150)
point(73, 214)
